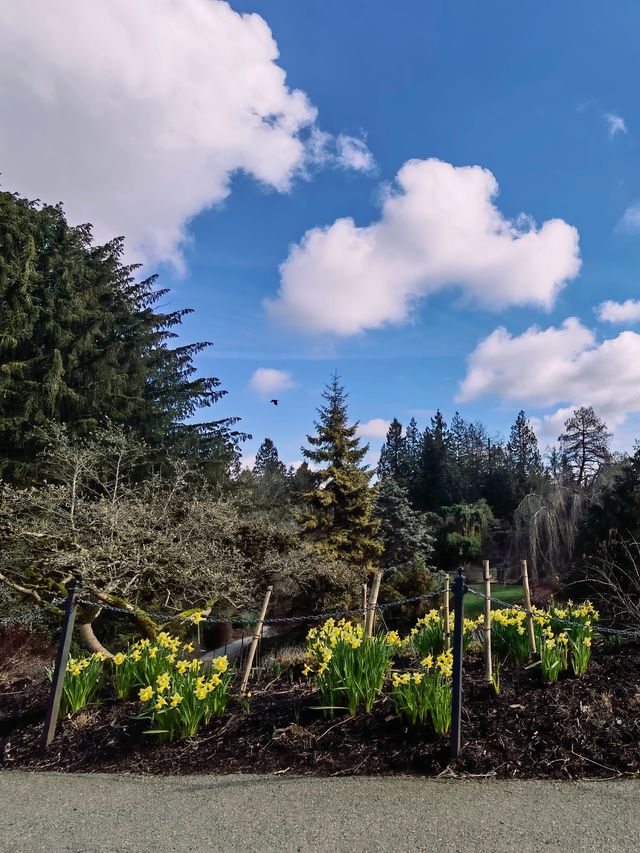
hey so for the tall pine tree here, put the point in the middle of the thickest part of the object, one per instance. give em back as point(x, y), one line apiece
point(82, 343)
point(339, 512)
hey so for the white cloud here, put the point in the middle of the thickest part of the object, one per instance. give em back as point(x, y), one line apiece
point(137, 114)
point(268, 380)
point(616, 124)
point(563, 367)
point(342, 151)
point(439, 228)
point(629, 222)
point(619, 312)
point(374, 428)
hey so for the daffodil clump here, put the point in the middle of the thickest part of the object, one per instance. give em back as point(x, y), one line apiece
point(185, 696)
point(425, 696)
point(509, 635)
point(564, 633)
point(82, 682)
point(428, 637)
point(349, 669)
point(144, 661)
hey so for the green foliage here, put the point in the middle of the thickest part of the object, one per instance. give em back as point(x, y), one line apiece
point(83, 344)
point(349, 669)
point(82, 682)
point(338, 514)
point(584, 445)
point(405, 533)
point(422, 697)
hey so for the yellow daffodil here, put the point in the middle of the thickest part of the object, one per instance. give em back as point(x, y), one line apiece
point(145, 694)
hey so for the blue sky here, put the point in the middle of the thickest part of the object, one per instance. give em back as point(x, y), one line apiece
point(544, 96)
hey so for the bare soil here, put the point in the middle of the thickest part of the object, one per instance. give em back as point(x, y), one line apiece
point(585, 727)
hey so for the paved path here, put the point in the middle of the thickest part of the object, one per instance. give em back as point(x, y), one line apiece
point(56, 812)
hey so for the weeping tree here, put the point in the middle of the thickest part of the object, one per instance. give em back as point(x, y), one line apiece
point(545, 527)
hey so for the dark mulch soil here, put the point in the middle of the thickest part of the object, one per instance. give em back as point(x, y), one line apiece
point(577, 728)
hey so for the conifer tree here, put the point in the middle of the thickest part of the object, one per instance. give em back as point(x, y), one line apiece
point(585, 444)
point(404, 531)
point(339, 512)
point(392, 452)
point(524, 456)
point(83, 344)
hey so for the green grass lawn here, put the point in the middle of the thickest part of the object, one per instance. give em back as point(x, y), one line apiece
point(474, 606)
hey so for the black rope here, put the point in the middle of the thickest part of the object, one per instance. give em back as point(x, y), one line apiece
point(621, 632)
point(164, 617)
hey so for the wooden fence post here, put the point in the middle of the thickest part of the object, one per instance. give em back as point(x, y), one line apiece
point(255, 640)
point(62, 656)
point(447, 620)
point(527, 604)
point(456, 680)
point(373, 600)
point(488, 666)
point(365, 590)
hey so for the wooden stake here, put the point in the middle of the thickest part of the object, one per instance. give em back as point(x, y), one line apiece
point(488, 667)
point(527, 604)
point(365, 590)
point(447, 620)
point(373, 600)
point(62, 656)
point(255, 640)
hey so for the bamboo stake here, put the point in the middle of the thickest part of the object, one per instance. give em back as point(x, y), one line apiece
point(365, 589)
point(488, 666)
point(255, 640)
point(373, 600)
point(527, 604)
point(447, 620)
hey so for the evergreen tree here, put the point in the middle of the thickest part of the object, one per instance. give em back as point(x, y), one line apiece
point(585, 445)
point(339, 512)
point(438, 483)
point(404, 532)
point(524, 457)
point(391, 463)
point(82, 344)
point(267, 460)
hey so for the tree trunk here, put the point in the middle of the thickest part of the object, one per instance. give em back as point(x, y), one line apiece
point(90, 641)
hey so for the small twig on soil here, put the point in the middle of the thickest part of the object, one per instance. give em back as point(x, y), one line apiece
point(591, 761)
point(335, 725)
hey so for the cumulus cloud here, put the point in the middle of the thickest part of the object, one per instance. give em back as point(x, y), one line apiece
point(268, 380)
point(629, 222)
point(137, 114)
point(438, 227)
point(619, 312)
point(563, 366)
point(616, 124)
point(374, 428)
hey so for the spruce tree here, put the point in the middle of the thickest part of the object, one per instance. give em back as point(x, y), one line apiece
point(404, 531)
point(82, 344)
point(392, 452)
point(439, 483)
point(524, 457)
point(338, 515)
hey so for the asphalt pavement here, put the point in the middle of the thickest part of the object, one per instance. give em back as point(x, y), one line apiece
point(98, 812)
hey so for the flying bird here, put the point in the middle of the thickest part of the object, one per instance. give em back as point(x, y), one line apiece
point(275, 402)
